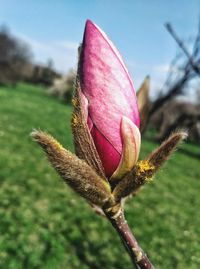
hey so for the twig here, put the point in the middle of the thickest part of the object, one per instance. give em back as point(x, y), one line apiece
point(139, 258)
point(194, 65)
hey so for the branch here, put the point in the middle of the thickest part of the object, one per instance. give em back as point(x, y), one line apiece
point(176, 88)
point(194, 65)
point(139, 258)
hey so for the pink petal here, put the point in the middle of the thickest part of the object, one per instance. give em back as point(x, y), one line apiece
point(109, 156)
point(107, 86)
point(131, 147)
point(131, 140)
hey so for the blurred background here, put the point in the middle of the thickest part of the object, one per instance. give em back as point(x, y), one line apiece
point(43, 223)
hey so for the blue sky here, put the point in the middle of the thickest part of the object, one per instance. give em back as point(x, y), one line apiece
point(55, 28)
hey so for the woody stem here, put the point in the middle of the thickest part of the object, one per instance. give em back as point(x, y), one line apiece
point(138, 257)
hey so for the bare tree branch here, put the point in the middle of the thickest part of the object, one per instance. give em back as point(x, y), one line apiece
point(193, 63)
point(189, 70)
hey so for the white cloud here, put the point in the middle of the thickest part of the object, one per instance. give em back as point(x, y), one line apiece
point(62, 52)
point(158, 74)
point(162, 68)
point(165, 68)
point(68, 44)
point(131, 64)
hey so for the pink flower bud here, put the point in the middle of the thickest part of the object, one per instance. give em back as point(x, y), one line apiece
point(108, 96)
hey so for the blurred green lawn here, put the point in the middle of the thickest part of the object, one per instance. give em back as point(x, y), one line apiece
point(43, 224)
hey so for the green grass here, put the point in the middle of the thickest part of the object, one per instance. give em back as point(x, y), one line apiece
point(44, 224)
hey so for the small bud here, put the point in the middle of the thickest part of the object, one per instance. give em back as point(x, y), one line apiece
point(144, 102)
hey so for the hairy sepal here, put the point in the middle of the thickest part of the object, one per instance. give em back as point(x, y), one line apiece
point(83, 142)
point(144, 170)
point(159, 156)
point(75, 172)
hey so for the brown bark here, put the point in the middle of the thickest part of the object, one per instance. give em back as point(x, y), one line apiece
point(137, 255)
